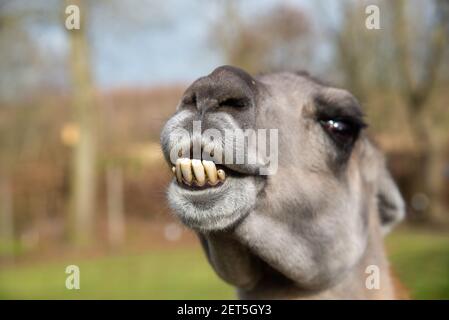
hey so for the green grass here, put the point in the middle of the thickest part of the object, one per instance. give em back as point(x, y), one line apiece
point(157, 275)
point(420, 259)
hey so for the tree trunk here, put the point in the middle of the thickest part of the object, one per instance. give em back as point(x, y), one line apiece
point(433, 170)
point(431, 176)
point(84, 156)
point(116, 219)
point(416, 91)
point(6, 216)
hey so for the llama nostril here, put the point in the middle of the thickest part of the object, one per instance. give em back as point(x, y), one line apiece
point(190, 99)
point(225, 87)
point(235, 102)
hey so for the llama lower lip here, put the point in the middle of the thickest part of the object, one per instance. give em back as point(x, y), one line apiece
point(213, 208)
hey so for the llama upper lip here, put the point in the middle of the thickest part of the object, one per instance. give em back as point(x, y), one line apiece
point(198, 173)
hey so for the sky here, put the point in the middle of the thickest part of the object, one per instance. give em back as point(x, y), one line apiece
point(145, 42)
point(175, 48)
point(165, 42)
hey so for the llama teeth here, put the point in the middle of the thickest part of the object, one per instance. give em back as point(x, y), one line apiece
point(211, 172)
point(221, 174)
point(186, 168)
point(198, 171)
point(178, 171)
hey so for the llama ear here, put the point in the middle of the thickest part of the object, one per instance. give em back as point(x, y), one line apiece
point(390, 203)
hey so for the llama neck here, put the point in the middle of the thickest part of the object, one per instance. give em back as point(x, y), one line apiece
point(351, 286)
point(355, 286)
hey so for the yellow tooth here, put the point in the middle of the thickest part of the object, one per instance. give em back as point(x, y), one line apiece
point(211, 172)
point(198, 170)
point(221, 174)
point(178, 170)
point(186, 168)
point(173, 169)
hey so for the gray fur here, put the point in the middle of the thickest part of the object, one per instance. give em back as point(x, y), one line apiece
point(307, 231)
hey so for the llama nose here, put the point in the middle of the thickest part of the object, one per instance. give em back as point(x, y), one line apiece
point(226, 86)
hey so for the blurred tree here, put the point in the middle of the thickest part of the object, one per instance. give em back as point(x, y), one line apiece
point(272, 40)
point(17, 140)
point(25, 67)
point(6, 196)
point(15, 125)
point(86, 156)
point(85, 151)
point(361, 54)
point(6, 215)
point(115, 205)
point(418, 76)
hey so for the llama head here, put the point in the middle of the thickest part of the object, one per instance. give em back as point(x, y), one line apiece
point(284, 146)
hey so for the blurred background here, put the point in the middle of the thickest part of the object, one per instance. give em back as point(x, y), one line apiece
point(82, 179)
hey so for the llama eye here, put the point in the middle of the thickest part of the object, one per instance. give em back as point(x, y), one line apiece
point(341, 131)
